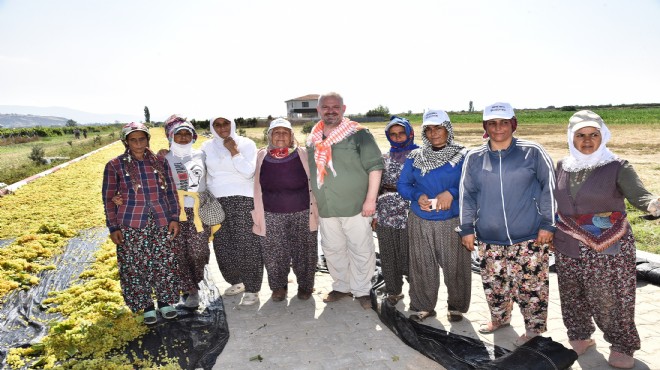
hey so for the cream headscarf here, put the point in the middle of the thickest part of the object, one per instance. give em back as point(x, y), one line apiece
point(577, 161)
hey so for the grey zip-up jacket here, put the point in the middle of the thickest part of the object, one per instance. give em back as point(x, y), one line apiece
point(507, 195)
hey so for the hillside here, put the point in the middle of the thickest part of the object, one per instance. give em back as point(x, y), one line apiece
point(28, 120)
point(29, 112)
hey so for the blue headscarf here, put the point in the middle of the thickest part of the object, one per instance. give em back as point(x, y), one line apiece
point(407, 145)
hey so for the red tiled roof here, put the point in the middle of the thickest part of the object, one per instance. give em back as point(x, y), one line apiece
point(306, 97)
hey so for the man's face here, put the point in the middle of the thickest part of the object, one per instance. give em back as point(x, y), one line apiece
point(331, 111)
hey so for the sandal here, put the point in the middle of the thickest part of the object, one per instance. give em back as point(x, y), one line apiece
point(168, 312)
point(490, 327)
point(394, 298)
point(150, 317)
point(454, 316)
point(422, 315)
point(235, 289)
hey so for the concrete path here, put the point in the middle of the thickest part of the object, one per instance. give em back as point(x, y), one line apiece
point(296, 334)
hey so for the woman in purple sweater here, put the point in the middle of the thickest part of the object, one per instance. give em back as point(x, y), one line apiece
point(285, 214)
point(594, 243)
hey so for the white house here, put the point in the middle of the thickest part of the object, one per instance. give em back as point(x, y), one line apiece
point(302, 107)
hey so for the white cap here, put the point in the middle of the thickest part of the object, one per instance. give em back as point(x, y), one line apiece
point(434, 117)
point(585, 118)
point(498, 110)
point(279, 122)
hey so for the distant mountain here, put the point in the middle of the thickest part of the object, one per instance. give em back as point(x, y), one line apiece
point(23, 120)
point(27, 114)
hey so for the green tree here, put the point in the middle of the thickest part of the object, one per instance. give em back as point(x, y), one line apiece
point(147, 116)
point(71, 123)
point(380, 111)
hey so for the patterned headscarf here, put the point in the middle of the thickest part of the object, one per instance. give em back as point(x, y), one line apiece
point(427, 159)
point(407, 145)
point(176, 123)
point(129, 128)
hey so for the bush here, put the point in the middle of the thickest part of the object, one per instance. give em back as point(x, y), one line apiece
point(37, 154)
point(307, 127)
point(568, 108)
point(379, 111)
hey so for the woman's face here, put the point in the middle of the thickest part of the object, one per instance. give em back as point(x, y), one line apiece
point(183, 137)
point(137, 143)
point(222, 127)
point(397, 134)
point(437, 135)
point(499, 130)
point(587, 140)
point(281, 137)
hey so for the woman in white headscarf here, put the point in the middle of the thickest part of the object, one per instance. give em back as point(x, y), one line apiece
point(199, 209)
point(230, 164)
point(594, 243)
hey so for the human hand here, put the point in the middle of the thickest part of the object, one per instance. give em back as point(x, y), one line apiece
point(162, 152)
point(444, 200)
point(231, 145)
point(424, 203)
point(117, 237)
point(468, 242)
point(368, 207)
point(173, 229)
point(544, 237)
point(117, 200)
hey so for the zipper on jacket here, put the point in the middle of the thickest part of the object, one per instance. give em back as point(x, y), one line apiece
point(506, 223)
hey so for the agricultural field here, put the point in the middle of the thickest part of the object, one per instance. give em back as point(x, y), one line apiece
point(16, 164)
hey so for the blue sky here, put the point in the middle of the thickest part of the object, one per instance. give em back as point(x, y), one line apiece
point(245, 58)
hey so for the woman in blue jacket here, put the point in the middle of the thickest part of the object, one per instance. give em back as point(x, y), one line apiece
point(506, 198)
point(430, 179)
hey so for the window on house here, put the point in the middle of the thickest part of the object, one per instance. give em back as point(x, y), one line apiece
point(305, 104)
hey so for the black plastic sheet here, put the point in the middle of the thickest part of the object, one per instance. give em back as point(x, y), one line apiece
point(22, 318)
point(648, 271)
point(196, 337)
point(457, 352)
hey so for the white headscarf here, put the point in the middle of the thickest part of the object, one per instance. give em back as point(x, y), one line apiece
point(218, 142)
point(578, 161)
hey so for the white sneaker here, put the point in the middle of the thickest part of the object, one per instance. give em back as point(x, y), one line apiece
point(249, 299)
point(192, 301)
point(235, 289)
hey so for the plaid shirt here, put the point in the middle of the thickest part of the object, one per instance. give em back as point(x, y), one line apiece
point(136, 205)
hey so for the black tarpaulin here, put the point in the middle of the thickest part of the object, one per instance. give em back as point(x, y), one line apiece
point(23, 320)
point(457, 352)
point(196, 338)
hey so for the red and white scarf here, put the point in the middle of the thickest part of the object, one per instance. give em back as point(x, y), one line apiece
point(323, 147)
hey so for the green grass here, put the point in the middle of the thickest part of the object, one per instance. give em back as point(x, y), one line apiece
point(15, 164)
point(611, 115)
